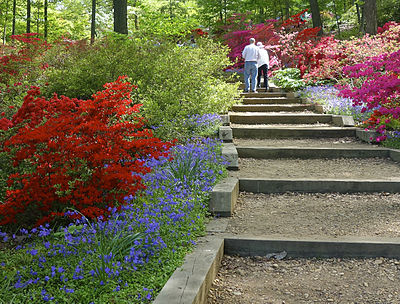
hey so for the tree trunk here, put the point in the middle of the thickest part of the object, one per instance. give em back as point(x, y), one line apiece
point(221, 13)
point(38, 17)
point(362, 23)
point(28, 16)
point(5, 24)
point(46, 4)
point(370, 13)
point(287, 9)
point(93, 24)
point(358, 14)
point(136, 20)
point(336, 17)
point(121, 16)
point(13, 20)
point(316, 16)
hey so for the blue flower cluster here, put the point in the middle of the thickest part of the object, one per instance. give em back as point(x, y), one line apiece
point(111, 260)
point(327, 96)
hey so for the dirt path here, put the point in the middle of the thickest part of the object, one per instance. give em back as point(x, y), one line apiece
point(343, 168)
point(317, 215)
point(258, 280)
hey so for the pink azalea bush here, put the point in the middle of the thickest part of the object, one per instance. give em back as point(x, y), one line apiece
point(285, 41)
point(376, 84)
point(327, 58)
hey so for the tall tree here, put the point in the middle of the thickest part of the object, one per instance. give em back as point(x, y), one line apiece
point(316, 15)
point(5, 13)
point(13, 16)
point(93, 23)
point(120, 16)
point(46, 4)
point(28, 16)
point(370, 13)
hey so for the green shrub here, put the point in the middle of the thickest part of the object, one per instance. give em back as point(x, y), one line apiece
point(173, 82)
point(289, 78)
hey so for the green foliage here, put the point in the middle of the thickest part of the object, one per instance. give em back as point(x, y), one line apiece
point(81, 69)
point(174, 82)
point(288, 79)
point(392, 143)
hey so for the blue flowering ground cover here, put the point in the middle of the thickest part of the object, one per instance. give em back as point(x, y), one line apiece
point(129, 257)
point(327, 96)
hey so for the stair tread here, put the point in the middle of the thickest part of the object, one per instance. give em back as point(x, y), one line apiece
point(290, 126)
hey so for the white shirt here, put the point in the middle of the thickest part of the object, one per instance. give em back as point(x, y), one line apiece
point(264, 58)
point(251, 53)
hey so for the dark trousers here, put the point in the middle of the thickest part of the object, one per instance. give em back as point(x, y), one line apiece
point(264, 70)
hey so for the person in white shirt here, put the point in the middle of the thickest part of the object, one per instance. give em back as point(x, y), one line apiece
point(250, 54)
point(262, 64)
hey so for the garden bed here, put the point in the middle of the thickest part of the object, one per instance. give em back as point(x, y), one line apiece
point(261, 280)
point(317, 215)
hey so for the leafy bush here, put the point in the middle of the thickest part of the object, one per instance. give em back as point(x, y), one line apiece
point(174, 82)
point(288, 79)
point(79, 70)
point(75, 153)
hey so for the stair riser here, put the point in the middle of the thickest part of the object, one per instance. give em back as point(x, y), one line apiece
point(241, 87)
point(316, 153)
point(290, 133)
point(279, 119)
point(317, 186)
point(263, 95)
point(267, 108)
point(256, 101)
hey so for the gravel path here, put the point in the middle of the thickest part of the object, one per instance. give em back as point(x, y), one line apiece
point(317, 216)
point(344, 142)
point(258, 280)
point(346, 168)
point(317, 125)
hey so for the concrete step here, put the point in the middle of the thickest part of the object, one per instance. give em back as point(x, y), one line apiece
point(256, 185)
point(311, 153)
point(263, 132)
point(273, 108)
point(270, 89)
point(278, 118)
point(271, 100)
point(350, 142)
point(263, 94)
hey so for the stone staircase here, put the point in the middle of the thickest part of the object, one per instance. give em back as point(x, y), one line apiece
point(278, 114)
point(266, 117)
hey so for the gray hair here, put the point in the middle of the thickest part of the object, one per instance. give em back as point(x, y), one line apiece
point(252, 40)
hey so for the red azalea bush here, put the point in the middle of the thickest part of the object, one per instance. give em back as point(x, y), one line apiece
point(21, 66)
point(80, 154)
point(376, 85)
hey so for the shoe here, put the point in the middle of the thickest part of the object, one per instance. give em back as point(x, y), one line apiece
point(245, 91)
point(254, 92)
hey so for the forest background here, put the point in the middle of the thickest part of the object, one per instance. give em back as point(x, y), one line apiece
point(84, 18)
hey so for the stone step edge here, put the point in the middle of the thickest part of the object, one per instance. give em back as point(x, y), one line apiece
point(191, 282)
point(307, 248)
point(315, 152)
point(265, 185)
point(230, 154)
point(224, 196)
